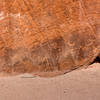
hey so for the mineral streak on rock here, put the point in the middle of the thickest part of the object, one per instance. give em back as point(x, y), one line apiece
point(48, 35)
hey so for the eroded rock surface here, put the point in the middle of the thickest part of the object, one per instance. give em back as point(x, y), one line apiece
point(48, 35)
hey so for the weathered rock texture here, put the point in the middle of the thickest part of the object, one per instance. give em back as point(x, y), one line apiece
point(48, 35)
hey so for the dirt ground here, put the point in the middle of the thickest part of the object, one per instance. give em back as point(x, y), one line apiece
point(82, 84)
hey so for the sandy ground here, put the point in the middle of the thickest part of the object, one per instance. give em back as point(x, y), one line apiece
point(83, 84)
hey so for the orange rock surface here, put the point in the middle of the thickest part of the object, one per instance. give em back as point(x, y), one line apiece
point(48, 35)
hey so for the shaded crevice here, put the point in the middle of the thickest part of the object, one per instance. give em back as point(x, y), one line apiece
point(96, 60)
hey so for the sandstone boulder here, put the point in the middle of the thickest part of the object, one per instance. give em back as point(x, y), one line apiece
point(48, 35)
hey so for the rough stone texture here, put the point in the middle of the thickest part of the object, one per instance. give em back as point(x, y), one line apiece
point(48, 35)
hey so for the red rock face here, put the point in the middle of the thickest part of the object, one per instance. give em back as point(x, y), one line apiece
point(48, 35)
